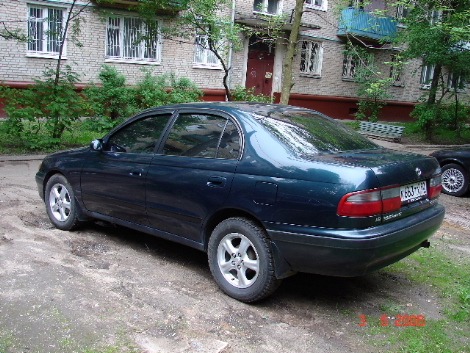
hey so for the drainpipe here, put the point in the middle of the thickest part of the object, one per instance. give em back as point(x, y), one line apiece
point(230, 52)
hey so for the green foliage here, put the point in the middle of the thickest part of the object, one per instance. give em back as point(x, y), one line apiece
point(373, 85)
point(165, 89)
point(113, 98)
point(454, 116)
point(49, 105)
point(247, 95)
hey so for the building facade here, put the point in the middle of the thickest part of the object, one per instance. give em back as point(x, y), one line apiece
point(323, 75)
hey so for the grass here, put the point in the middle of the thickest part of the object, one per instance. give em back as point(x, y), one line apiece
point(78, 135)
point(449, 279)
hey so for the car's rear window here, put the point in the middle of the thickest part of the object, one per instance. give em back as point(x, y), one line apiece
point(308, 132)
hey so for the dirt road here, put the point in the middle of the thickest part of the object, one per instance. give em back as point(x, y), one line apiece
point(109, 287)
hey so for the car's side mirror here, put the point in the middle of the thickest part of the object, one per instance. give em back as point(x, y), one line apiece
point(96, 145)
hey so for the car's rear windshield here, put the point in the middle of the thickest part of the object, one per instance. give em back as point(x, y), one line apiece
point(308, 132)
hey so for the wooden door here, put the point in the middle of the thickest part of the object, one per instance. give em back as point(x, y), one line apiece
point(259, 74)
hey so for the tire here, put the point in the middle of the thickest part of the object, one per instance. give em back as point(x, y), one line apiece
point(241, 260)
point(454, 180)
point(61, 205)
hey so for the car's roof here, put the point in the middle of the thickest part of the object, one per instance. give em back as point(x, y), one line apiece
point(230, 106)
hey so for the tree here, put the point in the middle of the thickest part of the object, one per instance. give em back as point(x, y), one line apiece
point(291, 48)
point(438, 33)
point(52, 103)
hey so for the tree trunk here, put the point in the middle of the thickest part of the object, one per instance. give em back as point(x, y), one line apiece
point(429, 126)
point(291, 48)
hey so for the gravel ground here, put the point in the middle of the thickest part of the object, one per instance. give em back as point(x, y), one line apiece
point(106, 286)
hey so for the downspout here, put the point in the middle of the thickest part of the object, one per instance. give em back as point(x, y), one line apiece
point(230, 53)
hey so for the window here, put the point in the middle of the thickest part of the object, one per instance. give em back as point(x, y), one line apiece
point(396, 71)
point(45, 27)
point(203, 56)
point(266, 6)
point(403, 12)
point(128, 39)
point(317, 4)
point(358, 4)
point(427, 73)
point(311, 57)
point(204, 136)
point(139, 137)
point(456, 83)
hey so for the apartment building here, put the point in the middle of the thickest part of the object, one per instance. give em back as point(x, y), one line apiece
point(323, 76)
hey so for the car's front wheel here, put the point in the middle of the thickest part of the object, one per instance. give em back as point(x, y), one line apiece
point(241, 260)
point(60, 202)
point(454, 180)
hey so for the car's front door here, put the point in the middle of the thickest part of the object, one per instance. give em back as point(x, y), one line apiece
point(113, 182)
point(192, 174)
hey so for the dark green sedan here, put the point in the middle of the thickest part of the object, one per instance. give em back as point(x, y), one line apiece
point(266, 190)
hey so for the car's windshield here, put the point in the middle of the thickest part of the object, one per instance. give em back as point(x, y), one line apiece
point(308, 132)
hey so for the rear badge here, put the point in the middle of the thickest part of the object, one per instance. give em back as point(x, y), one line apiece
point(418, 172)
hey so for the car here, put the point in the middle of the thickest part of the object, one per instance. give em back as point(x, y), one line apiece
point(265, 190)
point(455, 164)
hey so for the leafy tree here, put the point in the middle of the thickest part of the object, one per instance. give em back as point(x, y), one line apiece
point(112, 98)
point(438, 32)
point(52, 103)
point(34, 110)
point(373, 85)
point(287, 83)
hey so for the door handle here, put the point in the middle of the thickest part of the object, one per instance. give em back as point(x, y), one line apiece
point(216, 181)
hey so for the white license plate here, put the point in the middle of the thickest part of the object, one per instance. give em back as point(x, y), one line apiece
point(413, 192)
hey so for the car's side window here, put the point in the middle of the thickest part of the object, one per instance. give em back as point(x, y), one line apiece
point(203, 135)
point(140, 136)
point(229, 147)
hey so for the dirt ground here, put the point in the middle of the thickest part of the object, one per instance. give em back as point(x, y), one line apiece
point(106, 286)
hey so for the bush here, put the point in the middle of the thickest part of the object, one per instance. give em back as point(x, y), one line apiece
point(39, 114)
point(248, 95)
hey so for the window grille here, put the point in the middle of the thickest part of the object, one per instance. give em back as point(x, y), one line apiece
point(45, 26)
point(311, 57)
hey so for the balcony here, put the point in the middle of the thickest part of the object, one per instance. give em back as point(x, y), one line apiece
point(171, 7)
point(367, 26)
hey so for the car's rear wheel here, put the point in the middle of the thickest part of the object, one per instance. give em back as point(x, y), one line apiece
point(60, 203)
point(241, 260)
point(454, 180)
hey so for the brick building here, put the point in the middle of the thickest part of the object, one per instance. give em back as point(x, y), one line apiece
point(323, 76)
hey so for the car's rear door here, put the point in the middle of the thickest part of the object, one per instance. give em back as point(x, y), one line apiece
point(113, 180)
point(193, 173)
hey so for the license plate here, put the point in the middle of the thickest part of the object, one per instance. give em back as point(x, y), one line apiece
point(413, 192)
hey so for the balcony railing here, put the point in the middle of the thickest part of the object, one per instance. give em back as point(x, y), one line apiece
point(363, 24)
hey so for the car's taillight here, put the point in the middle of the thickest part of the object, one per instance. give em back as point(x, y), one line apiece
point(370, 202)
point(435, 187)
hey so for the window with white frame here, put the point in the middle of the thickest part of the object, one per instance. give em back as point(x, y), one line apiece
point(203, 56)
point(311, 55)
point(128, 39)
point(45, 26)
point(266, 6)
point(427, 72)
point(456, 82)
point(317, 4)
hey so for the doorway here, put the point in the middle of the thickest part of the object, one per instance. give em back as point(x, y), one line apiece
point(260, 66)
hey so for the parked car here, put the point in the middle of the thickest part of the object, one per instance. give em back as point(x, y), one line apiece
point(266, 190)
point(455, 164)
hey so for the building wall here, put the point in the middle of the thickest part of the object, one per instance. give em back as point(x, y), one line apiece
point(329, 92)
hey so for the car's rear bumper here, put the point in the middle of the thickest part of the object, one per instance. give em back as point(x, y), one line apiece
point(351, 252)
